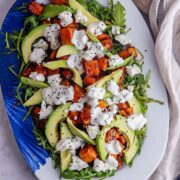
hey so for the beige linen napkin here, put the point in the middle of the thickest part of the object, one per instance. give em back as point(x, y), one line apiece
point(165, 22)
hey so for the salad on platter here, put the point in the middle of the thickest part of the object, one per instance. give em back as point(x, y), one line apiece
point(82, 80)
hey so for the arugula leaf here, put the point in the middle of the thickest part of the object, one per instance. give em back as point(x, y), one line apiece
point(31, 22)
point(42, 141)
point(83, 3)
point(87, 173)
point(119, 15)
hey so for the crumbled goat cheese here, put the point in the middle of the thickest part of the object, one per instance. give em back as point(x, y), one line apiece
point(54, 80)
point(115, 60)
point(116, 30)
point(123, 39)
point(61, 94)
point(77, 106)
point(97, 28)
point(93, 131)
point(111, 162)
point(78, 142)
point(51, 34)
point(78, 164)
point(44, 2)
point(113, 109)
point(65, 18)
point(79, 39)
point(41, 44)
point(37, 77)
point(136, 121)
point(75, 61)
point(100, 166)
point(47, 95)
point(45, 111)
point(37, 55)
point(113, 147)
point(94, 49)
point(95, 92)
point(133, 70)
point(113, 88)
point(79, 17)
point(124, 95)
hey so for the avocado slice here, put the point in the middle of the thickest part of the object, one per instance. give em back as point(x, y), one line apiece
point(66, 155)
point(136, 105)
point(77, 132)
point(133, 144)
point(77, 6)
point(63, 64)
point(66, 50)
point(52, 10)
point(33, 83)
point(126, 61)
point(36, 98)
point(29, 40)
point(102, 83)
point(57, 116)
point(95, 40)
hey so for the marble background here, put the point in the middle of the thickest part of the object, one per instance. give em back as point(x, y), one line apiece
point(12, 164)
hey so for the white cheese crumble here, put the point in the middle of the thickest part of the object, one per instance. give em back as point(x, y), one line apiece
point(123, 39)
point(115, 60)
point(110, 164)
point(37, 55)
point(41, 44)
point(93, 131)
point(45, 111)
point(78, 164)
point(47, 95)
point(37, 77)
point(51, 34)
point(44, 2)
point(61, 94)
point(54, 80)
point(113, 147)
point(79, 17)
point(94, 49)
point(113, 109)
point(133, 70)
point(75, 61)
point(124, 95)
point(97, 28)
point(136, 121)
point(65, 18)
point(79, 39)
point(113, 88)
point(77, 106)
point(69, 144)
point(96, 92)
point(116, 30)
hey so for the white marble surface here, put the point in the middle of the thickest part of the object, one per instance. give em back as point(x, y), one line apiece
point(12, 165)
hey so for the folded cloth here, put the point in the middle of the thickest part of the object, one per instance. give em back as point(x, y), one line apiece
point(164, 18)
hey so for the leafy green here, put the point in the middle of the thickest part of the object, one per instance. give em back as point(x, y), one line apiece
point(84, 3)
point(140, 134)
point(119, 15)
point(31, 22)
point(42, 141)
point(12, 71)
point(22, 8)
point(87, 173)
point(27, 113)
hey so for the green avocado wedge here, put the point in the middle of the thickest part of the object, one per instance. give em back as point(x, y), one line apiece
point(77, 132)
point(126, 61)
point(133, 144)
point(36, 98)
point(65, 156)
point(63, 64)
point(33, 83)
point(77, 6)
point(29, 40)
point(56, 117)
point(52, 10)
point(66, 50)
point(136, 105)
